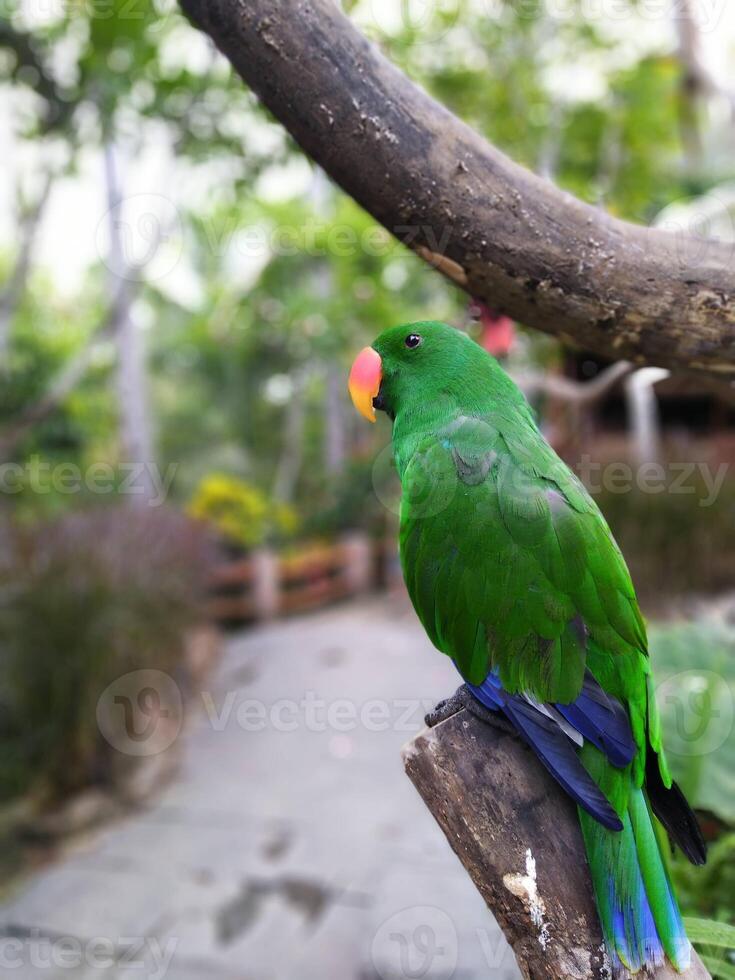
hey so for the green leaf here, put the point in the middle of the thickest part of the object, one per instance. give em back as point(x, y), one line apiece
point(711, 933)
point(694, 671)
point(719, 968)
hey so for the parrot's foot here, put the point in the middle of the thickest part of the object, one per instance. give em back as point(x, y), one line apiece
point(446, 708)
point(462, 698)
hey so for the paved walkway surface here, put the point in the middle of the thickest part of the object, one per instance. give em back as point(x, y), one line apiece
point(291, 846)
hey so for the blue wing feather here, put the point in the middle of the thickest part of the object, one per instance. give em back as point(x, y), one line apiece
point(603, 721)
point(552, 746)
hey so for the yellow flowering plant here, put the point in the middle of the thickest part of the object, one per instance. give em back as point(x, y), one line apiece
point(240, 512)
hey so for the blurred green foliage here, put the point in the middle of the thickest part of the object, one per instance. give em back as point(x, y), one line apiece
point(715, 942)
point(695, 678)
point(694, 665)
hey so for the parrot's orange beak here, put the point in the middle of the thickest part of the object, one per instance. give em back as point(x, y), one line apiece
point(364, 383)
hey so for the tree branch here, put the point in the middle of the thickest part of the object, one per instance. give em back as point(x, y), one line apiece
point(576, 392)
point(502, 234)
point(25, 47)
point(69, 375)
point(698, 78)
point(14, 290)
point(517, 835)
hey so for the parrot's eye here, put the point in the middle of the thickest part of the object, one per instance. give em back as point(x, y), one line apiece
point(413, 340)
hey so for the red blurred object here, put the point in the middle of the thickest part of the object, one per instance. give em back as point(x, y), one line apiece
point(498, 330)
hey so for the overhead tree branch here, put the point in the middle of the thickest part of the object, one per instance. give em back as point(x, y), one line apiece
point(501, 233)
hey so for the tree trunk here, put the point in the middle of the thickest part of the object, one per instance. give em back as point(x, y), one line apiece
point(504, 235)
point(12, 294)
point(644, 423)
point(63, 382)
point(517, 834)
point(292, 451)
point(335, 451)
point(135, 424)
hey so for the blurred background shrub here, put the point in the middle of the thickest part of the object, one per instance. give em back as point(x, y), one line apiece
point(673, 545)
point(84, 600)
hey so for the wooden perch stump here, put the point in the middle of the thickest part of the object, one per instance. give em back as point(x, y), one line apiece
point(517, 834)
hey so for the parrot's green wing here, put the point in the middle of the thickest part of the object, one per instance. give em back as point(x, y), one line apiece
point(510, 565)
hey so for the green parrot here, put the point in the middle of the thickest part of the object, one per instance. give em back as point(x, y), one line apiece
point(515, 575)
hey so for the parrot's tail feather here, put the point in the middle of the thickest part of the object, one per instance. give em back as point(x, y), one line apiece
point(670, 806)
point(640, 918)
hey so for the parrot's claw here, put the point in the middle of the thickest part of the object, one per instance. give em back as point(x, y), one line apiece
point(463, 699)
point(445, 709)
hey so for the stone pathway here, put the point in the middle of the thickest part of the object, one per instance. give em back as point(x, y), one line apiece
point(291, 846)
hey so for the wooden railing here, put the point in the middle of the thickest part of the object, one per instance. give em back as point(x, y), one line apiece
point(266, 584)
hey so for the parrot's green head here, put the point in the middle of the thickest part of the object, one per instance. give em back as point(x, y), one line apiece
point(418, 365)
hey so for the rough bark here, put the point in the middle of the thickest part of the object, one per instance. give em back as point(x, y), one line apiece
point(517, 834)
point(499, 232)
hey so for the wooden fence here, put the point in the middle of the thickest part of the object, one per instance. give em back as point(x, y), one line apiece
point(266, 584)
